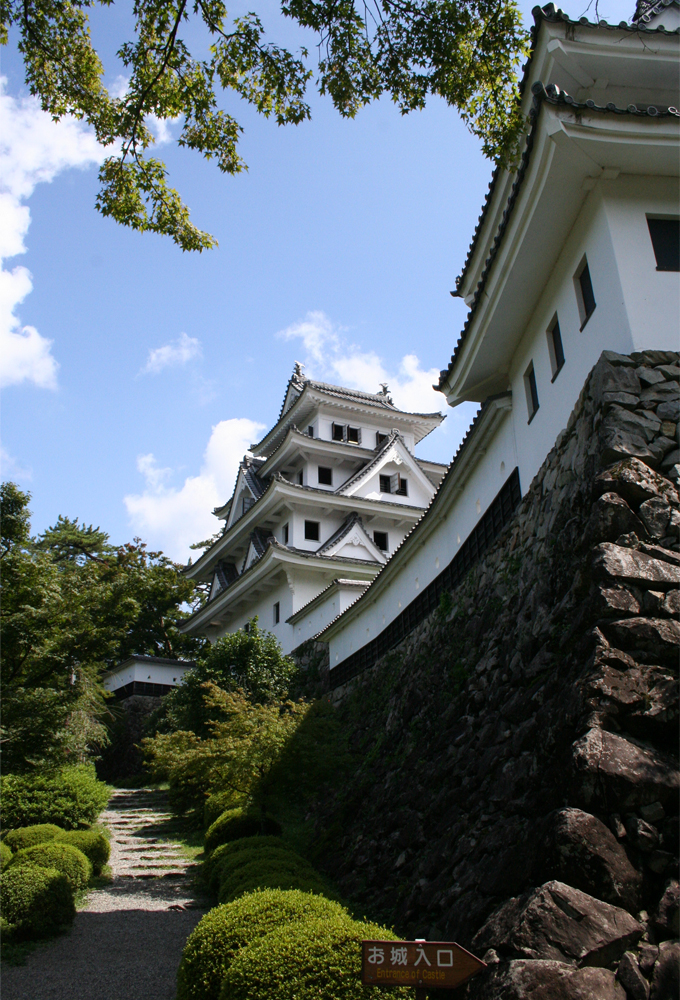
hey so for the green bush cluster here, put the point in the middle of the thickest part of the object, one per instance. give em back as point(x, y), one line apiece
point(35, 900)
point(29, 836)
point(220, 935)
point(216, 804)
point(92, 843)
point(5, 856)
point(267, 869)
point(65, 858)
point(70, 798)
point(212, 866)
point(321, 956)
point(236, 823)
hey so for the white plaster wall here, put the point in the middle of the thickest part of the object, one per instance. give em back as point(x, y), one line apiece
point(263, 607)
point(324, 613)
point(438, 549)
point(418, 495)
point(325, 418)
point(636, 308)
point(148, 673)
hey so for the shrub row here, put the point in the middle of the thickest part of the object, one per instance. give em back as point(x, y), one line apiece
point(233, 824)
point(70, 798)
point(65, 858)
point(92, 843)
point(37, 887)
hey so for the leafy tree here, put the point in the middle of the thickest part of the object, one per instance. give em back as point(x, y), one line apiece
point(466, 51)
point(72, 606)
point(251, 661)
point(239, 755)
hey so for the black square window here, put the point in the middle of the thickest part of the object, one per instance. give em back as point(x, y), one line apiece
point(385, 484)
point(301, 477)
point(285, 534)
point(325, 476)
point(584, 292)
point(310, 432)
point(312, 531)
point(665, 234)
point(402, 487)
point(277, 613)
point(338, 432)
point(380, 439)
point(555, 348)
point(354, 435)
point(381, 540)
point(531, 391)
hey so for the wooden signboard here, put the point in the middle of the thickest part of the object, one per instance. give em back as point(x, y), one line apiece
point(431, 964)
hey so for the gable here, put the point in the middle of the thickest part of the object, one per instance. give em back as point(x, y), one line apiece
point(352, 541)
point(398, 464)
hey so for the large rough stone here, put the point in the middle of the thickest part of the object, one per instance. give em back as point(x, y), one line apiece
point(666, 976)
point(655, 514)
point(632, 566)
point(666, 922)
point(580, 850)
point(635, 482)
point(611, 517)
point(625, 434)
point(559, 922)
point(630, 977)
point(619, 775)
point(659, 637)
point(607, 378)
point(545, 980)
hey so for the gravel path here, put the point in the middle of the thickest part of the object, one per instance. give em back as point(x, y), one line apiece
point(127, 940)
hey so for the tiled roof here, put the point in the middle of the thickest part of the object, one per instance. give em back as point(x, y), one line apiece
point(338, 582)
point(343, 530)
point(365, 469)
point(553, 15)
point(332, 493)
point(550, 95)
point(156, 659)
point(299, 382)
point(645, 10)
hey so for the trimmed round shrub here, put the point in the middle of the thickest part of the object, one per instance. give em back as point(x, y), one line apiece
point(211, 947)
point(235, 823)
point(35, 900)
point(71, 798)
point(214, 862)
point(67, 859)
point(321, 957)
point(218, 803)
point(92, 843)
point(29, 836)
point(275, 873)
point(5, 856)
point(230, 863)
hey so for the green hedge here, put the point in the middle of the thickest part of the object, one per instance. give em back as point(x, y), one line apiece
point(270, 873)
point(213, 865)
point(67, 859)
point(29, 836)
point(213, 944)
point(235, 823)
point(216, 804)
point(92, 843)
point(70, 798)
point(35, 900)
point(316, 959)
point(5, 856)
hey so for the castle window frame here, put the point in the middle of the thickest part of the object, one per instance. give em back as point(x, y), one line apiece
point(301, 477)
point(555, 347)
point(531, 391)
point(380, 439)
point(385, 484)
point(312, 531)
point(585, 296)
point(354, 435)
point(325, 475)
point(285, 533)
point(310, 431)
point(246, 504)
point(382, 540)
point(277, 613)
point(664, 232)
point(399, 485)
point(338, 432)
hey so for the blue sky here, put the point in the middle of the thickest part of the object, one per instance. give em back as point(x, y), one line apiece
point(149, 371)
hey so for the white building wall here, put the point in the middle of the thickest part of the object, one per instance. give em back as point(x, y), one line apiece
point(322, 614)
point(438, 549)
point(263, 607)
point(147, 673)
point(637, 308)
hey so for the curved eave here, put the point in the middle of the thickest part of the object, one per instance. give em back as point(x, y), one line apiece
point(275, 558)
point(296, 440)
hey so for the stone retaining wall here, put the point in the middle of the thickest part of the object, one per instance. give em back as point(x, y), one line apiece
point(515, 784)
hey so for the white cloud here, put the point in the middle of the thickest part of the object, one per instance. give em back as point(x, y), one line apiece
point(331, 358)
point(11, 468)
point(33, 150)
point(177, 352)
point(173, 518)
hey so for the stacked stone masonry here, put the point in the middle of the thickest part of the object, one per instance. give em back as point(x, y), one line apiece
point(515, 779)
